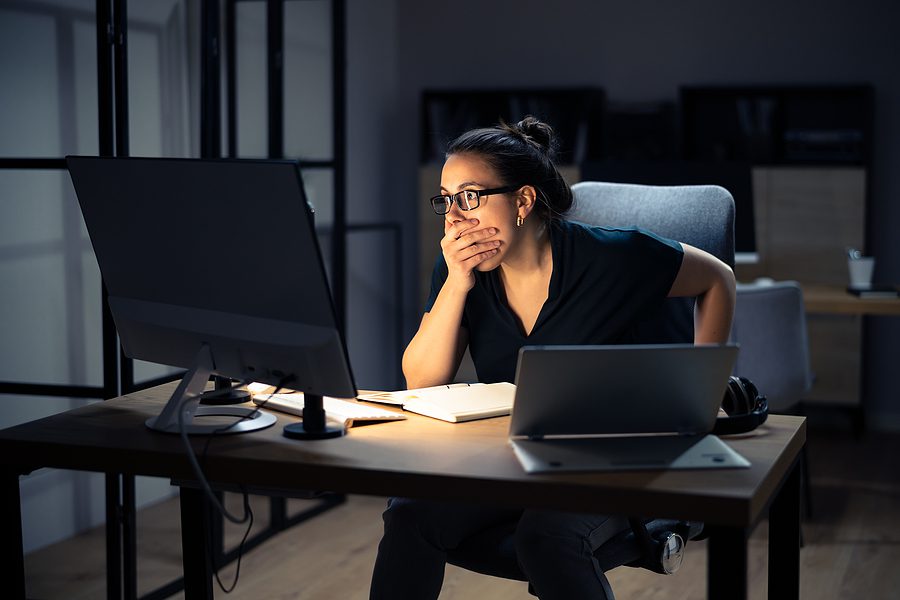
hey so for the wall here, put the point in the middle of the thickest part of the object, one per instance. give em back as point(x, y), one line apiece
point(375, 195)
point(642, 51)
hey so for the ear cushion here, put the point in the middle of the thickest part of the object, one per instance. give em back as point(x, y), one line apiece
point(745, 407)
point(740, 396)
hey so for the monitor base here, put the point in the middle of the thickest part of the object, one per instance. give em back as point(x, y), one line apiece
point(179, 414)
point(314, 426)
point(224, 397)
point(249, 421)
point(297, 432)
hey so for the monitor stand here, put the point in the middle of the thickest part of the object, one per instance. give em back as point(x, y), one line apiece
point(186, 400)
point(224, 393)
point(313, 426)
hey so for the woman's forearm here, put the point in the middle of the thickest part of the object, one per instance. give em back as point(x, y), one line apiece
point(433, 355)
point(711, 281)
point(715, 309)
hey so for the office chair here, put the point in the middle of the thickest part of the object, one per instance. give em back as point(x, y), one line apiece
point(699, 215)
point(770, 325)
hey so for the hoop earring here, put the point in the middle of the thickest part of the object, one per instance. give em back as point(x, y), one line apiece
point(519, 221)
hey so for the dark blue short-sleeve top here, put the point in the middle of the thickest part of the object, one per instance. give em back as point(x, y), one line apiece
point(605, 283)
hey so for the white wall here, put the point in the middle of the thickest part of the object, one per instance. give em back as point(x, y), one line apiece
point(643, 50)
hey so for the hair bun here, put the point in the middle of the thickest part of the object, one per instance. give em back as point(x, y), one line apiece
point(536, 132)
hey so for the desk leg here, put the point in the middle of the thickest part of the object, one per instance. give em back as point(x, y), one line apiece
point(113, 536)
point(726, 571)
point(197, 553)
point(12, 567)
point(784, 540)
point(129, 537)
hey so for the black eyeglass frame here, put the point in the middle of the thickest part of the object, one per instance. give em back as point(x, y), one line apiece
point(445, 202)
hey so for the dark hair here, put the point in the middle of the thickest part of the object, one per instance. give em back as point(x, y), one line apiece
point(521, 154)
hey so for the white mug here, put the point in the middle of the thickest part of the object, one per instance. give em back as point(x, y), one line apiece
point(861, 271)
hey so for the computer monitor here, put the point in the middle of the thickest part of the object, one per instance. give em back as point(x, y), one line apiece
point(214, 266)
point(734, 176)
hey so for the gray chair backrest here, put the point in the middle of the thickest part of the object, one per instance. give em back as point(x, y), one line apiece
point(770, 325)
point(699, 215)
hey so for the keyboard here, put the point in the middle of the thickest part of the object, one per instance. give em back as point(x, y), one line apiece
point(337, 409)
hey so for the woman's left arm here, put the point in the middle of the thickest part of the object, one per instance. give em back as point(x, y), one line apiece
point(712, 282)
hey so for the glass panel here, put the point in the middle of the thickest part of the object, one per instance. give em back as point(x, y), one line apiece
point(158, 92)
point(319, 187)
point(307, 80)
point(145, 371)
point(50, 322)
point(250, 65)
point(49, 89)
point(15, 409)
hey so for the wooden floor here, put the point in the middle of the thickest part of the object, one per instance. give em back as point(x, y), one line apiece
point(852, 545)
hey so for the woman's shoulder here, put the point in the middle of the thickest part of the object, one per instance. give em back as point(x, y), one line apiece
point(625, 244)
point(599, 235)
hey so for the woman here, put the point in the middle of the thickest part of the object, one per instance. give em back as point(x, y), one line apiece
point(512, 272)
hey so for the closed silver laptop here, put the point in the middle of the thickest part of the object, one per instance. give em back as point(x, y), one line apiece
point(581, 408)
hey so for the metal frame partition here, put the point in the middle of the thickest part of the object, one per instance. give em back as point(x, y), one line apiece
point(112, 107)
point(117, 369)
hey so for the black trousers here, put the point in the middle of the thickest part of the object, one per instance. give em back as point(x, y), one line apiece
point(554, 550)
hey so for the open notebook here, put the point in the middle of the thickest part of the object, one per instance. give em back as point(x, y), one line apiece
point(454, 403)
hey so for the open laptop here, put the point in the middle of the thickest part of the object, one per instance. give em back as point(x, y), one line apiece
point(613, 408)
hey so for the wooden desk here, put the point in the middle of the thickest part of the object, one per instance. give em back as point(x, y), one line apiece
point(829, 300)
point(421, 457)
point(837, 345)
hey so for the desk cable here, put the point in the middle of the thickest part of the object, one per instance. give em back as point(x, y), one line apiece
point(204, 483)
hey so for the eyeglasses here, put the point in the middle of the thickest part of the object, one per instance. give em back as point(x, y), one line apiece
point(466, 199)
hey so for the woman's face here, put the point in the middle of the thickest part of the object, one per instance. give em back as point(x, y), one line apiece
point(471, 172)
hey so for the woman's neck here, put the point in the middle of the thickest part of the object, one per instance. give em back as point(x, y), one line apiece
point(532, 255)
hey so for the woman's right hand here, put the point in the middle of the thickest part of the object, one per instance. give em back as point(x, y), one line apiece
point(464, 248)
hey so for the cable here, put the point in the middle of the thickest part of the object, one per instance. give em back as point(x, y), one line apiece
point(198, 472)
point(195, 465)
point(237, 569)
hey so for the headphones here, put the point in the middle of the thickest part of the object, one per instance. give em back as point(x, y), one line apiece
point(745, 407)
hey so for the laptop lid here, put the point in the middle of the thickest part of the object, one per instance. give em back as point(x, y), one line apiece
point(633, 389)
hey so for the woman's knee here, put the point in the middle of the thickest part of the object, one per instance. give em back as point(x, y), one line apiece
point(541, 534)
point(404, 512)
point(406, 516)
point(554, 550)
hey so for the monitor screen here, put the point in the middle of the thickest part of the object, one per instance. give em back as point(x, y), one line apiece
point(214, 265)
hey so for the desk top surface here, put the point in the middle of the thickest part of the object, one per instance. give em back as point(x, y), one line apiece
point(821, 299)
point(419, 457)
